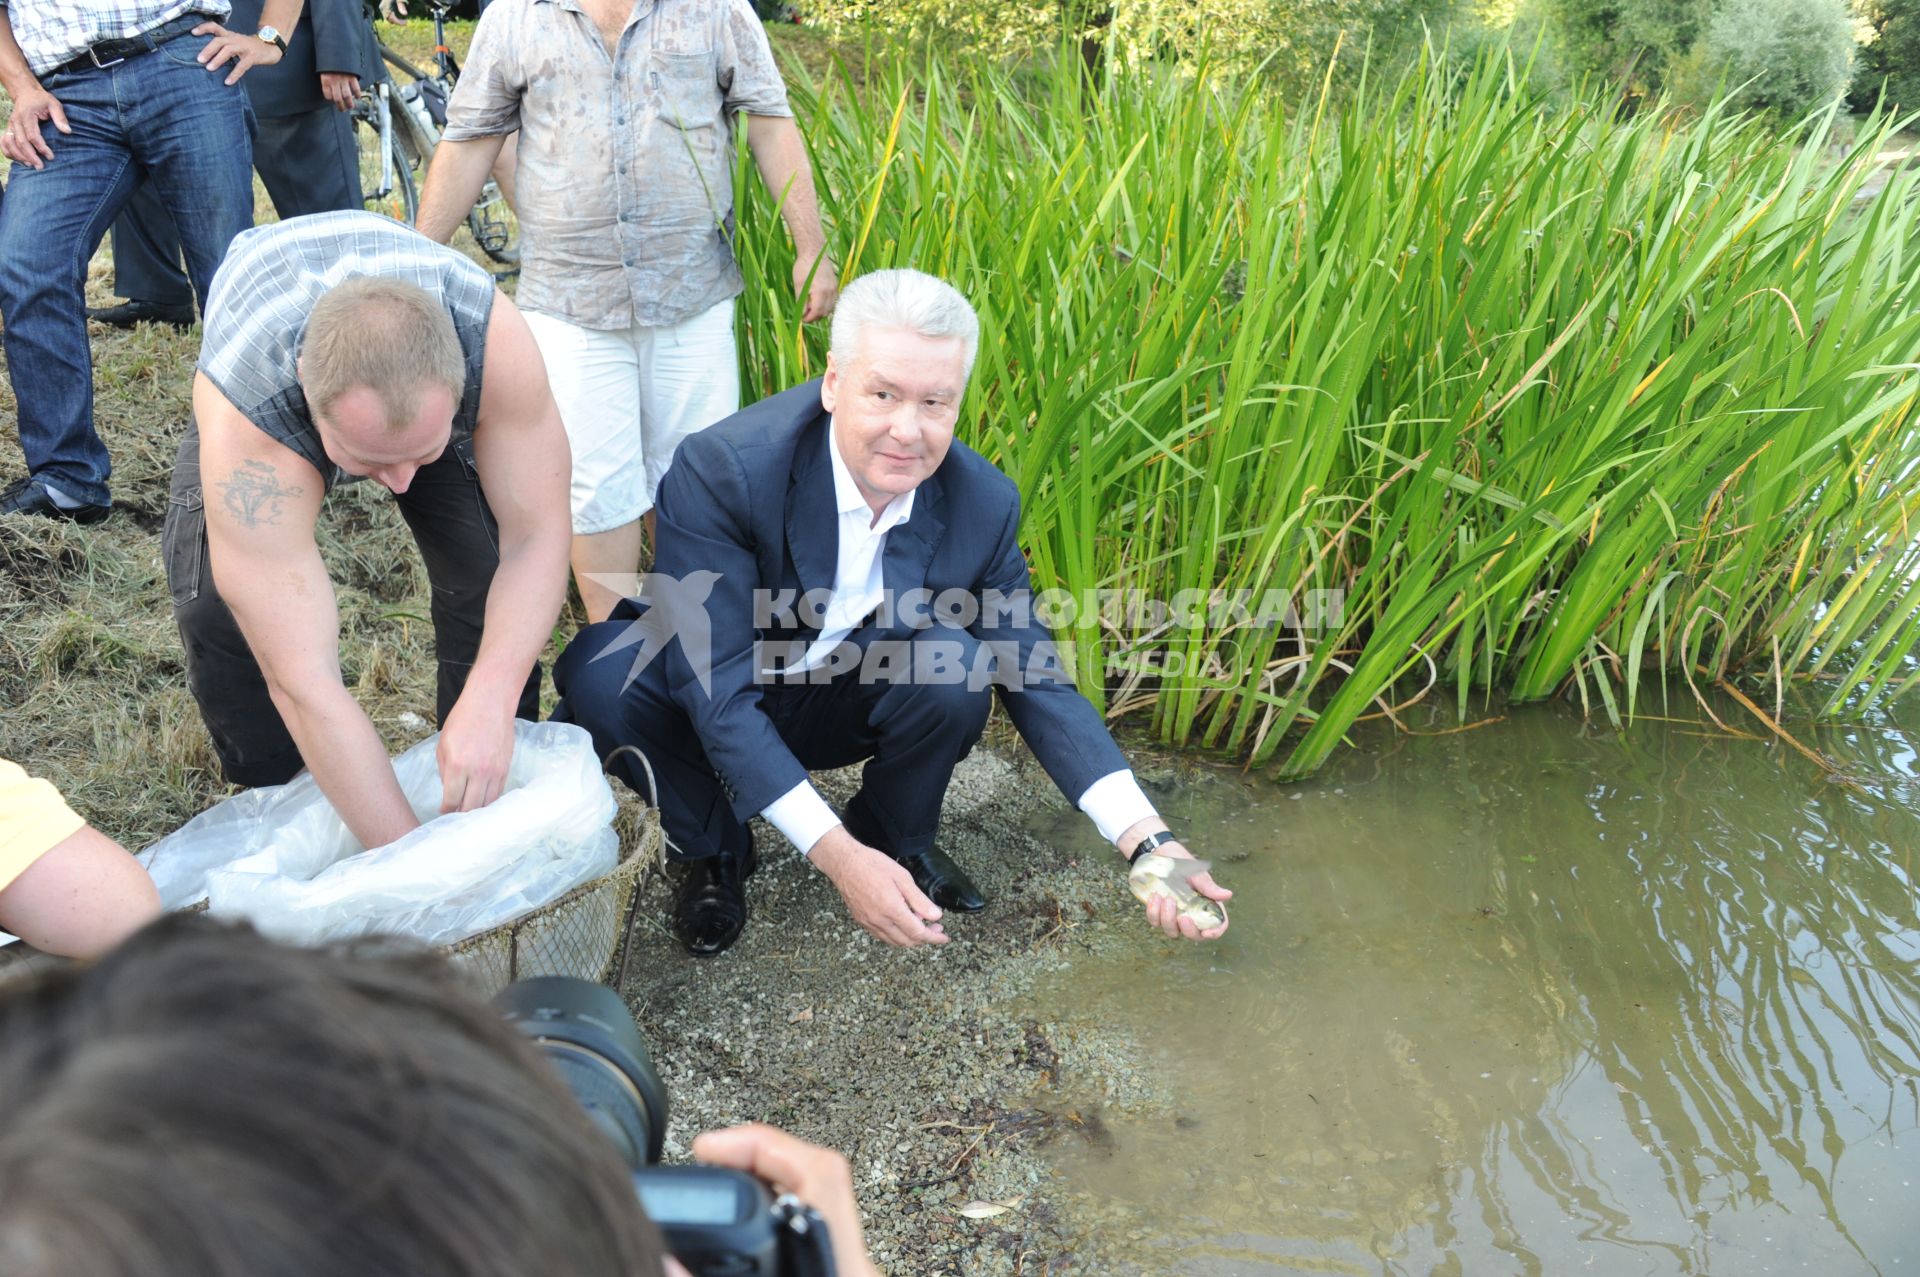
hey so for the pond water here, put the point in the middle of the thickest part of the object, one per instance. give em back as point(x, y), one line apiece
point(1537, 997)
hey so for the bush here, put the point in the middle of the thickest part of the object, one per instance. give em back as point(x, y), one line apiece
point(1634, 44)
point(1889, 56)
point(1290, 38)
point(1787, 56)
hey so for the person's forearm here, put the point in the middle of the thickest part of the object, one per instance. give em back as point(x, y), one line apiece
point(348, 760)
point(17, 77)
point(454, 179)
point(781, 156)
point(522, 605)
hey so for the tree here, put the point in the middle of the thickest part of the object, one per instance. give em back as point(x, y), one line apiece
point(1787, 56)
point(1636, 44)
point(1889, 55)
point(1292, 38)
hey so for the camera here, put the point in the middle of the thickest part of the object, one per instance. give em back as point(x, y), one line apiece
point(718, 1222)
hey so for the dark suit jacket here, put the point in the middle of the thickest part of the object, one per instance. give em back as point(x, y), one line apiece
point(332, 35)
point(753, 500)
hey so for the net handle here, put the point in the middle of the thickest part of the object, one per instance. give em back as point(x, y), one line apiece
point(653, 786)
point(633, 900)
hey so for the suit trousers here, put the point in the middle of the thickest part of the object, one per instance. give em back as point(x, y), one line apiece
point(459, 542)
point(307, 162)
point(911, 734)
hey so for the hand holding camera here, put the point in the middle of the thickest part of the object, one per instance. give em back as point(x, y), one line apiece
point(765, 1204)
point(817, 1176)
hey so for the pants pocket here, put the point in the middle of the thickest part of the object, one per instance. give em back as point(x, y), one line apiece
point(184, 50)
point(183, 545)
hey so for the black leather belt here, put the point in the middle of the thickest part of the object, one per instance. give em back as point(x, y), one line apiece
point(112, 52)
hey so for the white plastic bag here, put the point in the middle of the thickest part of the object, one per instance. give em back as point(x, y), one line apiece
point(282, 858)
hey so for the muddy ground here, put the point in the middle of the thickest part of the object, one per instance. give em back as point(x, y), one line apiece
point(927, 1068)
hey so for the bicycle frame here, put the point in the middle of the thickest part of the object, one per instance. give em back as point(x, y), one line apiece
point(442, 52)
point(402, 110)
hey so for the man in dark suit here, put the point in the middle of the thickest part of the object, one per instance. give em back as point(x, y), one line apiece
point(836, 580)
point(303, 149)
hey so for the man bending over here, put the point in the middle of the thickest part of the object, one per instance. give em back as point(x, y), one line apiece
point(338, 347)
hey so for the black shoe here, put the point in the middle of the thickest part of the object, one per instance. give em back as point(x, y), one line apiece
point(712, 908)
point(129, 313)
point(945, 883)
point(28, 497)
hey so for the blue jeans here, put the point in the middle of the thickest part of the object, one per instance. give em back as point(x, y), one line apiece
point(158, 117)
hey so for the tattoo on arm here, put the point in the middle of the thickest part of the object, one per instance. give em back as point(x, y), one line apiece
point(253, 493)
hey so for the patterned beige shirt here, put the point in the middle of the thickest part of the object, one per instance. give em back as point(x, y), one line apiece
point(625, 181)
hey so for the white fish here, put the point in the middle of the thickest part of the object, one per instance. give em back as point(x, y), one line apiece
point(1157, 875)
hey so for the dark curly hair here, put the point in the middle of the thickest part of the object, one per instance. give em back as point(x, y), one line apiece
point(207, 1103)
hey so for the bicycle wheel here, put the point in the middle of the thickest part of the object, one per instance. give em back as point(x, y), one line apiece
point(386, 166)
point(494, 227)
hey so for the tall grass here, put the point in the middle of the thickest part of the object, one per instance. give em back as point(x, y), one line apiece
point(1557, 399)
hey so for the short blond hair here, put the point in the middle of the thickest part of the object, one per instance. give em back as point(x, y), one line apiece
point(387, 335)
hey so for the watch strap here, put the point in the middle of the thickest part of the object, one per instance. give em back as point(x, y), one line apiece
point(1149, 843)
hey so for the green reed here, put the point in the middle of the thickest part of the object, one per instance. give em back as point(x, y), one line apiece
point(1552, 398)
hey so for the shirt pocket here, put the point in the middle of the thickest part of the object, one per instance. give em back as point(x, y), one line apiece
point(688, 88)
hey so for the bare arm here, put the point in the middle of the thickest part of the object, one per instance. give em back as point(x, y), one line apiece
point(521, 452)
point(22, 142)
point(261, 504)
point(82, 896)
point(15, 76)
point(454, 179)
point(781, 155)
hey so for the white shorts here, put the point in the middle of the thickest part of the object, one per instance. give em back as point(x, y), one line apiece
point(628, 397)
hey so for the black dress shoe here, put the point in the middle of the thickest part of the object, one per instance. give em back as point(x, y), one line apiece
point(129, 313)
point(712, 907)
point(28, 497)
point(945, 883)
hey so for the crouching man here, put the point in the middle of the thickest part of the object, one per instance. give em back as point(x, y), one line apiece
point(849, 495)
point(338, 347)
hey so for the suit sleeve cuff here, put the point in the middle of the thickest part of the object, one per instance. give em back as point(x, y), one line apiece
point(802, 815)
point(1115, 802)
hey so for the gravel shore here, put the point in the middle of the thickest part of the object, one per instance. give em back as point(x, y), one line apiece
point(921, 1066)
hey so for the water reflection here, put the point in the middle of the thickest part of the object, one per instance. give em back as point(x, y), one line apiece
point(1535, 999)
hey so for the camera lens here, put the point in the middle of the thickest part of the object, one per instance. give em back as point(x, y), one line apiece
point(588, 1034)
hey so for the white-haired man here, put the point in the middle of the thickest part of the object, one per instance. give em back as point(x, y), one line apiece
point(842, 532)
point(344, 346)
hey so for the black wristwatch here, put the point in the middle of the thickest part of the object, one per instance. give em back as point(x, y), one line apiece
point(272, 36)
point(1149, 843)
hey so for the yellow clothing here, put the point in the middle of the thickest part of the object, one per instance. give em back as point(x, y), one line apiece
point(34, 819)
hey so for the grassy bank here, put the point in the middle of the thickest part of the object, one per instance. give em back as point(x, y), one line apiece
point(1550, 399)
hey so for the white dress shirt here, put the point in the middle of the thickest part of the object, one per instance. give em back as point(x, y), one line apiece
point(1114, 801)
